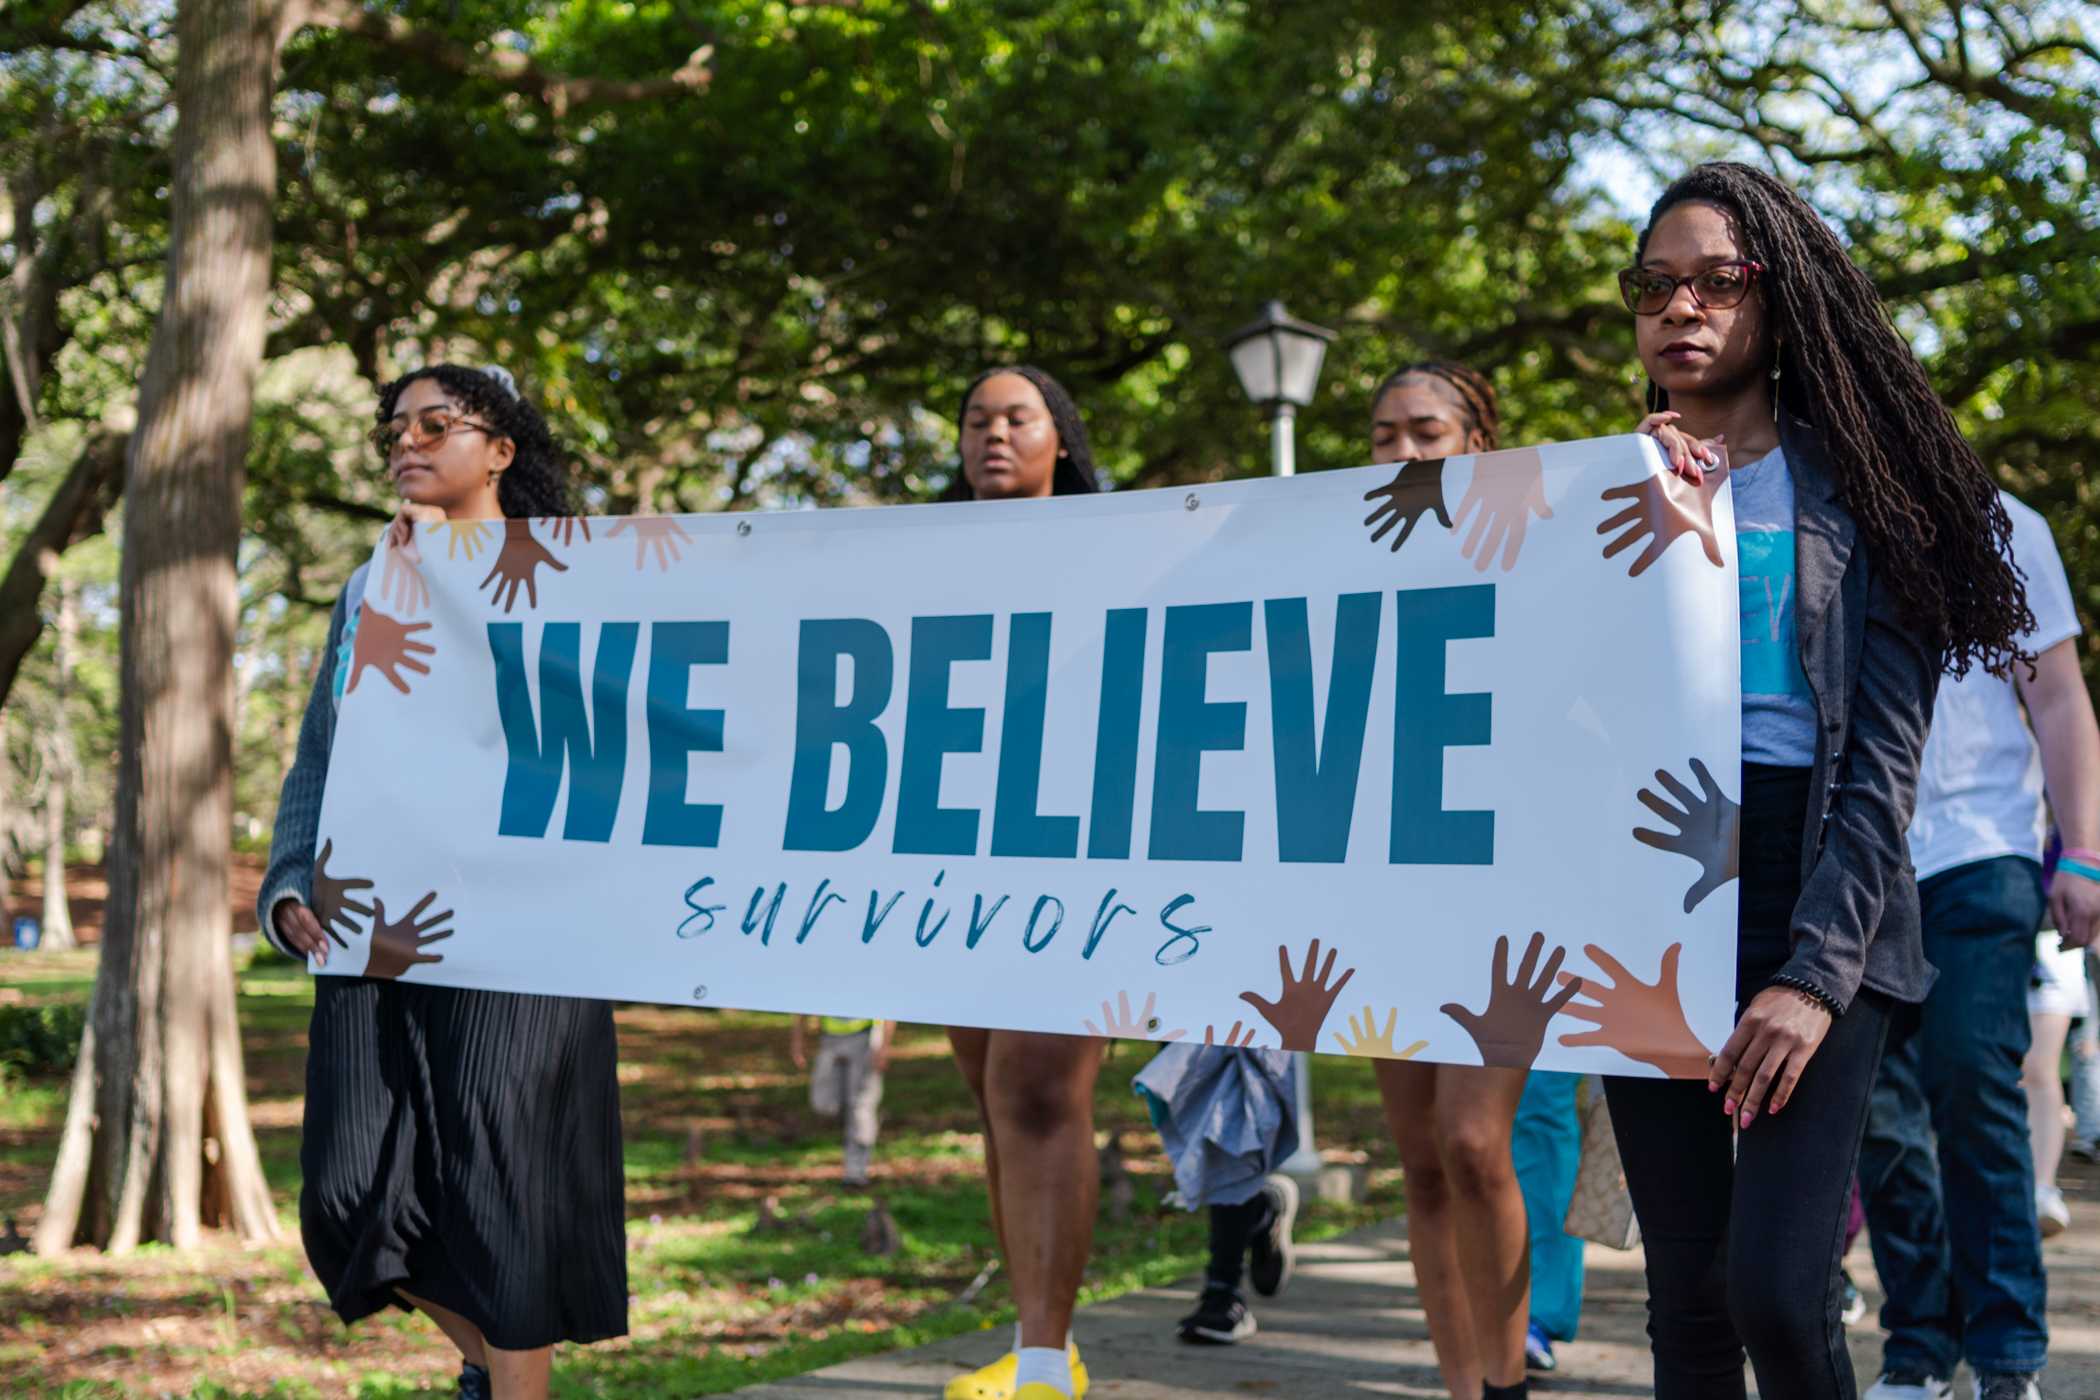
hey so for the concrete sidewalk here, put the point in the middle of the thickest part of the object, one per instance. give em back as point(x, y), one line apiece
point(1351, 1324)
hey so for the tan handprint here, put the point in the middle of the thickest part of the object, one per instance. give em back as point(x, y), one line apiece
point(1117, 1022)
point(1365, 1039)
point(1641, 1020)
point(1511, 1030)
point(562, 529)
point(332, 902)
point(402, 583)
point(399, 946)
point(1415, 490)
point(516, 565)
point(662, 533)
point(1509, 488)
point(1233, 1039)
point(464, 537)
point(1664, 509)
point(1300, 1009)
point(388, 644)
point(1709, 829)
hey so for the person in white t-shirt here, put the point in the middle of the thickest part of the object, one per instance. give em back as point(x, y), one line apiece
point(1953, 1221)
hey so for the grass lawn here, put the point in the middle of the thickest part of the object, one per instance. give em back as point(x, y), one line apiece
point(717, 1124)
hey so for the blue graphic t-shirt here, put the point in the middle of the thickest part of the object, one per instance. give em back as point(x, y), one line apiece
point(1779, 713)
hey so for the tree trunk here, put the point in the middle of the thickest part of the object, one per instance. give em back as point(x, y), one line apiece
point(168, 1147)
point(59, 770)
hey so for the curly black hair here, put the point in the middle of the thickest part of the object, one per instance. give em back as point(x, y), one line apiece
point(537, 480)
point(1074, 473)
point(1475, 395)
point(1924, 502)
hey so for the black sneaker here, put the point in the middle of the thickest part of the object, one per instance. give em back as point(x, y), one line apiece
point(2008, 1387)
point(474, 1382)
point(1220, 1319)
point(1271, 1255)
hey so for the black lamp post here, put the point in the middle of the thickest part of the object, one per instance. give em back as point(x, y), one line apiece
point(1277, 359)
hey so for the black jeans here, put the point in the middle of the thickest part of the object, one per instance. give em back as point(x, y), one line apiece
point(1744, 1233)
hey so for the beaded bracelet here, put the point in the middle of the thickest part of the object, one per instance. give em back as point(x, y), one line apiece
point(1808, 994)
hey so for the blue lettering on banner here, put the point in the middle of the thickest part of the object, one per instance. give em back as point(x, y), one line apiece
point(823, 726)
point(676, 731)
point(595, 750)
point(1426, 721)
point(933, 729)
point(1191, 726)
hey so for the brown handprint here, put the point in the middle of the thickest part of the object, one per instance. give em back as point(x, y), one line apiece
point(1233, 1038)
point(1512, 1029)
point(1642, 1021)
point(1509, 488)
point(397, 947)
point(332, 902)
point(516, 565)
point(388, 644)
point(1300, 1009)
point(562, 529)
point(662, 533)
point(1709, 829)
point(402, 582)
point(1415, 490)
point(1665, 508)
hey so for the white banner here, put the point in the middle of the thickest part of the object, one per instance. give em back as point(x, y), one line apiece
point(1230, 762)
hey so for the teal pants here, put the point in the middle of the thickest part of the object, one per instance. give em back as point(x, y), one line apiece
point(1545, 1146)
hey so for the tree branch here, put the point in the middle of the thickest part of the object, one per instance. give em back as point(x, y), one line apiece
point(74, 512)
point(507, 67)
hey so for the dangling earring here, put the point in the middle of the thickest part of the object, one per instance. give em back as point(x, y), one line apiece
point(1775, 388)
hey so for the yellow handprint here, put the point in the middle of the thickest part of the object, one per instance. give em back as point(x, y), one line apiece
point(466, 537)
point(1364, 1039)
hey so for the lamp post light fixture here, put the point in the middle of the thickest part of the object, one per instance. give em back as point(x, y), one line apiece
point(1277, 358)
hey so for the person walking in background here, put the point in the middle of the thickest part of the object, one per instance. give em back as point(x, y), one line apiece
point(1546, 1149)
point(1872, 557)
point(846, 1081)
point(2056, 995)
point(1948, 1169)
point(461, 1148)
point(1228, 1118)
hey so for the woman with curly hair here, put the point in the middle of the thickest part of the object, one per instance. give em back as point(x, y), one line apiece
point(461, 1150)
point(1874, 551)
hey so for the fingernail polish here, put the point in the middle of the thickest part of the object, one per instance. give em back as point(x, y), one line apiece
point(1747, 1118)
point(1728, 1106)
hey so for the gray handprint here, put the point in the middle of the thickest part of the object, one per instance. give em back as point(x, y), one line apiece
point(1708, 829)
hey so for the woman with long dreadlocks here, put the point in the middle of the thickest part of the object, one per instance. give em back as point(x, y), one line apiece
point(1022, 439)
point(1874, 549)
point(461, 1148)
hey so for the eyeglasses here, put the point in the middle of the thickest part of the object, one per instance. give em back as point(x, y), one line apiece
point(425, 429)
point(1718, 288)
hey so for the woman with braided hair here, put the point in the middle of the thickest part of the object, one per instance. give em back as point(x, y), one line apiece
point(1874, 550)
point(461, 1148)
point(1466, 1223)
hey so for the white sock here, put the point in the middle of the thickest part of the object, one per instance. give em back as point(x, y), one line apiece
point(1046, 1365)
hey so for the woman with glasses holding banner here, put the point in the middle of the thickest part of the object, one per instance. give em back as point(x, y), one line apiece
point(1873, 550)
point(1467, 1229)
point(461, 1149)
point(1022, 439)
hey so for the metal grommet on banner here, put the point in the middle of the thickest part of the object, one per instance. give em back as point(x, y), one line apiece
point(743, 527)
point(1153, 1024)
point(1188, 502)
point(700, 993)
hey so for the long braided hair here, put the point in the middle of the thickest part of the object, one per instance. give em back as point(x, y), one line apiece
point(537, 480)
point(1074, 473)
point(1926, 505)
point(1471, 388)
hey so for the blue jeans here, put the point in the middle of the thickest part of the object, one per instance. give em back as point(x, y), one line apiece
point(1946, 1171)
point(1545, 1146)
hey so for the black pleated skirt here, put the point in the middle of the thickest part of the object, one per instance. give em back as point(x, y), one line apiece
point(464, 1147)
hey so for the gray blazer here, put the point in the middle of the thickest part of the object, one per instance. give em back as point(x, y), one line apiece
point(291, 871)
point(1856, 923)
